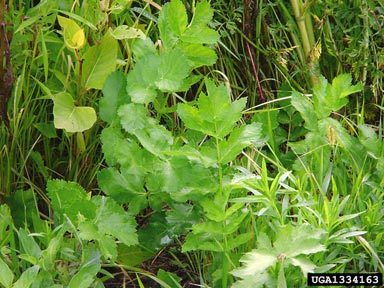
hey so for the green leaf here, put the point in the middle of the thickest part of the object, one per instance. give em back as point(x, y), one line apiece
point(169, 278)
point(154, 137)
point(127, 188)
point(115, 95)
point(239, 139)
point(71, 199)
point(174, 177)
point(125, 32)
point(198, 32)
point(293, 241)
point(215, 114)
point(141, 79)
point(69, 117)
point(6, 274)
point(255, 262)
point(99, 62)
point(86, 274)
point(172, 22)
point(112, 220)
point(29, 244)
point(173, 69)
point(27, 278)
point(198, 55)
point(305, 107)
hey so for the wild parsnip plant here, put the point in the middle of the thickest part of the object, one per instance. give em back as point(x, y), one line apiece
point(147, 107)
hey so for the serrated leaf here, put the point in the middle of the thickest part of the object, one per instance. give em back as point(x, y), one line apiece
point(293, 241)
point(124, 188)
point(255, 262)
point(99, 61)
point(173, 69)
point(71, 199)
point(74, 36)
point(198, 55)
point(174, 177)
point(69, 117)
point(154, 137)
point(239, 139)
point(254, 281)
point(112, 220)
point(305, 107)
point(115, 95)
point(172, 22)
point(215, 114)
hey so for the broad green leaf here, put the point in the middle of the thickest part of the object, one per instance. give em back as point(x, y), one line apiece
point(6, 274)
point(69, 117)
point(255, 262)
point(86, 274)
point(115, 95)
point(29, 244)
point(112, 220)
point(204, 241)
point(319, 98)
point(173, 69)
point(154, 137)
point(305, 107)
point(27, 278)
point(71, 199)
point(215, 114)
point(142, 47)
point(370, 140)
point(183, 179)
point(300, 240)
point(99, 62)
point(126, 32)
point(124, 188)
point(198, 55)
point(141, 79)
point(239, 139)
point(172, 22)
point(74, 36)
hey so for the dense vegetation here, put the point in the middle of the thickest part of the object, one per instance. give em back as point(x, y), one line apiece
point(222, 143)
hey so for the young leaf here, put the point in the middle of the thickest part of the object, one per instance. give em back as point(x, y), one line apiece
point(69, 117)
point(74, 36)
point(255, 262)
point(115, 95)
point(99, 62)
point(214, 115)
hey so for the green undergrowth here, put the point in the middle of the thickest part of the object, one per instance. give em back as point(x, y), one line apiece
point(147, 150)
